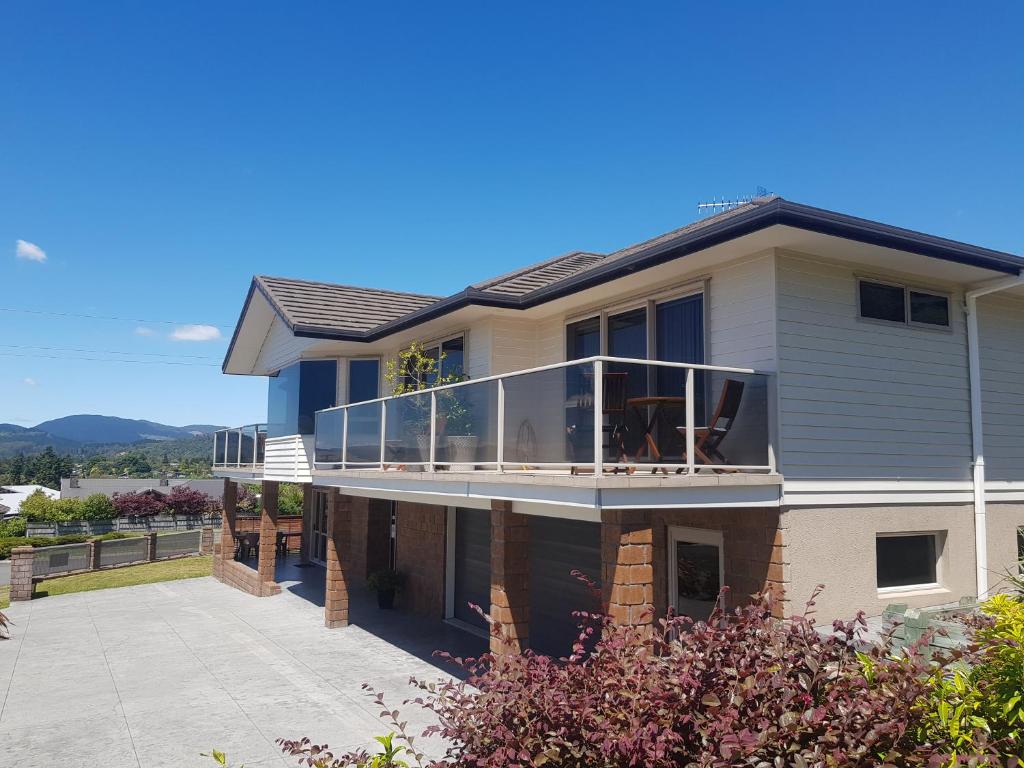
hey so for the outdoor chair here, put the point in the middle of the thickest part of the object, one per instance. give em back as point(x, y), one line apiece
point(707, 440)
point(614, 409)
point(252, 546)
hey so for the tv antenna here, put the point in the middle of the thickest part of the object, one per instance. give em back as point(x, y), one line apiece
point(717, 205)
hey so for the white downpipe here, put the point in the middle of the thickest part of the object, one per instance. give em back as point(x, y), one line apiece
point(978, 424)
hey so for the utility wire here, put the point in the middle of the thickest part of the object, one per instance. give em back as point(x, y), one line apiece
point(107, 317)
point(110, 360)
point(106, 351)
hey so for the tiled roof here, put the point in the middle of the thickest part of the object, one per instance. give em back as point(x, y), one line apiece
point(523, 281)
point(324, 306)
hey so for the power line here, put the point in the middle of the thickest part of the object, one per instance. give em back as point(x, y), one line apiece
point(111, 360)
point(105, 351)
point(107, 317)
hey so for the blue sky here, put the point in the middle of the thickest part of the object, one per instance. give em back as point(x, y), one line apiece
point(159, 155)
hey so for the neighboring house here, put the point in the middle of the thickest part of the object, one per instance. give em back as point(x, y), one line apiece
point(11, 496)
point(80, 487)
point(875, 377)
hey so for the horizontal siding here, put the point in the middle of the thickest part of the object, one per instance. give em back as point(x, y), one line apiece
point(741, 315)
point(513, 345)
point(280, 349)
point(288, 458)
point(1001, 332)
point(861, 399)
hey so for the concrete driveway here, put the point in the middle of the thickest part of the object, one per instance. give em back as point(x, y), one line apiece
point(153, 675)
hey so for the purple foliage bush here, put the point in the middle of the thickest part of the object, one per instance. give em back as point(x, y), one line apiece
point(183, 500)
point(742, 689)
point(142, 504)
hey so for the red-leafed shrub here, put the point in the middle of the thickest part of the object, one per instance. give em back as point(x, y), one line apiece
point(142, 504)
point(183, 500)
point(743, 689)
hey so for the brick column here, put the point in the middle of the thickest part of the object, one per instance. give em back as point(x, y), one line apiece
point(228, 525)
point(510, 578)
point(151, 546)
point(627, 567)
point(307, 522)
point(268, 533)
point(94, 554)
point(21, 573)
point(339, 534)
point(206, 540)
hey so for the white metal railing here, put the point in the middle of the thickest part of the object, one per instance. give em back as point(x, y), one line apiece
point(240, 447)
point(645, 414)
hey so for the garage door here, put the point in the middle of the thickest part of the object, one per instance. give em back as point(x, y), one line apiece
point(557, 547)
point(472, 564)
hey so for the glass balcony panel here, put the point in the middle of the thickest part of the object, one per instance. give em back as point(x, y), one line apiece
point(742, 440)
point(261, 442)
point(328, 439)
point(231, 459)
point(408, 429)
point(248, 438)
point(467, 422)
point(363, 434)
point(219, 446)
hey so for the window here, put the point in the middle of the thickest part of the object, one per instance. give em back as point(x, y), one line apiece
point(695, 570)
point(363, 380)
point(296, 393)
point(906, 560)
point(900, 304)
point(453, 362)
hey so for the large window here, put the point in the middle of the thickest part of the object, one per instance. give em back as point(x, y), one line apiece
point(896, 303)
point(296, 393)
point(905, 561)
point(451, 352)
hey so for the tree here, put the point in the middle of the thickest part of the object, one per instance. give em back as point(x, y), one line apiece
point(183, 500)
point(144, 504)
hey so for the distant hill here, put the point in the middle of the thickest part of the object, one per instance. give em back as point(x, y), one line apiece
point(11, 429)
point(88, 428)
point(15, 440)
point(201, 429)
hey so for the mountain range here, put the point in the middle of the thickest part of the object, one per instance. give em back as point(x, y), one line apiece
point(75, 434)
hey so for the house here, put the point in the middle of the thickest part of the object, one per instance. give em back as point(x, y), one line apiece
point(11, 496)
point(81, 487)
point(776, 396)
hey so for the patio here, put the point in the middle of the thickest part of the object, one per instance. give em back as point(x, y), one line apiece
point(153, 675)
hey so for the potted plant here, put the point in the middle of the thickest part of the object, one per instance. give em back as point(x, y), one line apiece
point(461, 440)
point(416, 371)
point(386, 583)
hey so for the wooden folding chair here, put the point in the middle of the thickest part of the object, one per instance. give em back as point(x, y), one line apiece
point(708, 439)
point(614, 407)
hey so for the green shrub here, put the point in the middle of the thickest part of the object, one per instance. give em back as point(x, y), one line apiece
point(14, 526)
point(37, 507)
point(10, 542)
point(97, 507)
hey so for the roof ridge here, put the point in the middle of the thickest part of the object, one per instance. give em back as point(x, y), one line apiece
point(347, 286)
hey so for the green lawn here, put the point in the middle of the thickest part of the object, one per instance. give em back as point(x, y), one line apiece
point(130, 575)
point(5, 597)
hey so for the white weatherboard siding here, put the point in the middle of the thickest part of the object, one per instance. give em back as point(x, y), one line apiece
point(862, 399)
point(1001, 332)
point(280, 349)
point(741, 314)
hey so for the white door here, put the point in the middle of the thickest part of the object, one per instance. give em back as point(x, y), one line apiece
point(696, 564)
point(318, 549)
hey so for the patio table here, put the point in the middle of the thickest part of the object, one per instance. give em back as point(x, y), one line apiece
point(658, 404)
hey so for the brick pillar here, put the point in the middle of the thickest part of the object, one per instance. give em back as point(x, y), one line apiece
point(339, 530)
point(228, 524)
point(151, 546)
point(206, 540)
point(94, 554)
point(510, 578)
point(21, 573)
point(307, 522)
point(627, 567)
point(268, 533)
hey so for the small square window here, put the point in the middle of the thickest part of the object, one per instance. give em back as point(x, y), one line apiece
point(929, 308)
point(906, 560)
point(879, 301)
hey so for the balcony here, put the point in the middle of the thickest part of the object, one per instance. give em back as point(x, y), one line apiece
point(647, 418)
point(240, 451)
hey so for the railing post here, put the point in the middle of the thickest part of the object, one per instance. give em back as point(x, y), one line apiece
point(432, 452)
point(255, 443)
point(598, 417)
point(383, 430)
point(344, 437)
point(501, 425)
point(215, 448)
point(690, 394)
point(239, 448)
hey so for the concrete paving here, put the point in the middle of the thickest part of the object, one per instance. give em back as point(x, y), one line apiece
point(151, 676)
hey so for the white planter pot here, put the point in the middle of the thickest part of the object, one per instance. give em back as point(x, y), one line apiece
point(462, 452)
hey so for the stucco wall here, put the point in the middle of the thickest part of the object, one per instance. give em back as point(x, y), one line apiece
point(835, 546)
point(1003, 521)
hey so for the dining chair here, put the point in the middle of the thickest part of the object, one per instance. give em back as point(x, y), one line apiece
point(707, 440)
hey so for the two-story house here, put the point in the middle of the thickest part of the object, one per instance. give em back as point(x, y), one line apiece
point(774, 396)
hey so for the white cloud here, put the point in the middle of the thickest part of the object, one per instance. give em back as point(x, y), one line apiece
point(195, 333)
point(29, 251)
point(144, 331)
point(30, 382)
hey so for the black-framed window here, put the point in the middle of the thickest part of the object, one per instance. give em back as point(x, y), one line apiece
point(906, 560)
point(896, 303)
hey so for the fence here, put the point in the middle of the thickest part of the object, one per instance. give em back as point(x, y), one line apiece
point(28, 565)
point(124, 525)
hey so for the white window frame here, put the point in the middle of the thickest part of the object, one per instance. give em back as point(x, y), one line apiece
point(906, 288)
point(437, 342)
point(939, 538)
point(679, 533)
